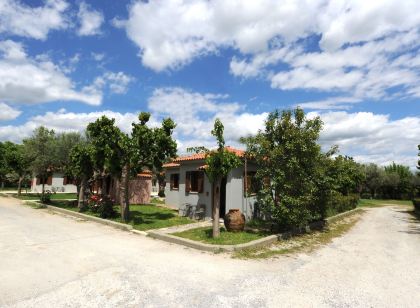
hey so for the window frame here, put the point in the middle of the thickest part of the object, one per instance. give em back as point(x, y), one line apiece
point(194, 181)
point(172, 177)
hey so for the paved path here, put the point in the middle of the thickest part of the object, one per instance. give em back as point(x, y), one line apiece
point(54, 261)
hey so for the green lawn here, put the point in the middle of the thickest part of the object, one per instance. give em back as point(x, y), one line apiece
point(381, 202)
point(142, 217)
point(226, 238)
point(157, 200)
point(34, 196)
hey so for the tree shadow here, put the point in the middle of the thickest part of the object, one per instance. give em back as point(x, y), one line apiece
point(149, 218)
point(413, 220)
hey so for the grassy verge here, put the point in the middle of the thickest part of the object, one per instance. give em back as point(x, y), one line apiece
point(226, 238)
point(381, 202)
point(34, 196)
point(302, 243)
point(142, 217)
point(157, 200)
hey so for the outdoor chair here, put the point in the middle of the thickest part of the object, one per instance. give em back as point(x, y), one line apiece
point(200, 211)
point(185, 210)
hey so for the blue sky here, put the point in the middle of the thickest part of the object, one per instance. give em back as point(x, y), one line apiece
point(356, 64)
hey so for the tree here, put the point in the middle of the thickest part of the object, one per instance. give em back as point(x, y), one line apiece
point(124, 155)
point(399, 181)
point(146, 148)
point(418, 162)
point(63, 147)
point(105, 139)
point(347, 175)
point(81, 163)
point(3, 165)
point(291, 168)
point(39, 149)
point(218, 164)
point(16, 161)
point(374, 179)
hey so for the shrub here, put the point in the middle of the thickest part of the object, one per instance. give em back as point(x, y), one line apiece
point(104, 206)
point(416, 203)
point(46, 197)
point(338, 203)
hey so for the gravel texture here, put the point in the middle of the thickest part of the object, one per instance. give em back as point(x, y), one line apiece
point(57, 261)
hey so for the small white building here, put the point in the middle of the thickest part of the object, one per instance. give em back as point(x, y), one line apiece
point(57, 182)
point(186, 183)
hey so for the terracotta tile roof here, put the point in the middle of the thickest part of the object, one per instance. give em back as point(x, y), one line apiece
point(145, 174)
point(200, 156)
point(170, 165)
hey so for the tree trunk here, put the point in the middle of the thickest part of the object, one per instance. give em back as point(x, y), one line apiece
point(20, 185)
point(216, 207)
point(103, 188)
point(81, 201)
point(124, 200)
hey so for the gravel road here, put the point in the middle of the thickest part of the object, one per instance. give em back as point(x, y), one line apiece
point(56, 261)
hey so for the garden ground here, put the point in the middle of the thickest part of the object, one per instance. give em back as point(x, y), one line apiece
point(53, 261)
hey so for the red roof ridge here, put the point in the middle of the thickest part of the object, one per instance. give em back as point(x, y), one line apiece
point(201, 156)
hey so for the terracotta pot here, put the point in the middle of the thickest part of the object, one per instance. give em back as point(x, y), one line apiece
point(234, 220)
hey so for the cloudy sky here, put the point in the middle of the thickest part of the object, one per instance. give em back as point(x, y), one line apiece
point(354, 63)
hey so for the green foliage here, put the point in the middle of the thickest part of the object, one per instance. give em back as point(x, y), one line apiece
point(64, 144)
point(45, 197)
point(339, 203)
point(39, 151)
point(107, 145)
point(347, 175)
point(390, 182)
point(418, 162)
point(220, 162)
point(102, 205)
point(294, 188)
point(151, 147)
point(81, 160)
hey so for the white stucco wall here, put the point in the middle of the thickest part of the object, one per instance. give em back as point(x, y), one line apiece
point(171, 196)
point(56, 184)
point(235, 198)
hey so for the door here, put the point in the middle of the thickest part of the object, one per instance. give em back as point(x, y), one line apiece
point(223, 198)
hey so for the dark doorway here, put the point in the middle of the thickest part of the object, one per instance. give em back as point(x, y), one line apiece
point(223, 198)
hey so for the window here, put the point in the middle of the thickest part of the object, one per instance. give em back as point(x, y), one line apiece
point(67, 180)
point(194, 181)
point(250, 183)
point(44, 180)
point(174, 181)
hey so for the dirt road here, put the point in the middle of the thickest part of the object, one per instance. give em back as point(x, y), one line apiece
point(55, 261)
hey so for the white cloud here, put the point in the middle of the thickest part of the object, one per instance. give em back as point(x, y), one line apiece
point(350, 48)
point(19, 19)
point(98, 56)
point(195, 113)
point(36, 80)
point(370, 137)
point(117, 83)
point(7, 112)
point(90, 20)
point(63, 121)
point(366, 136)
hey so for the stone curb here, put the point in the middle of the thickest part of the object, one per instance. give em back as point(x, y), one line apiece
point(160, 234)
point(87, 217)
point(333, 219)
point(213, 248)
point(91, 218)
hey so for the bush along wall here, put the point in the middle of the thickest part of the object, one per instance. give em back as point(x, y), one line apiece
point(339, 203)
